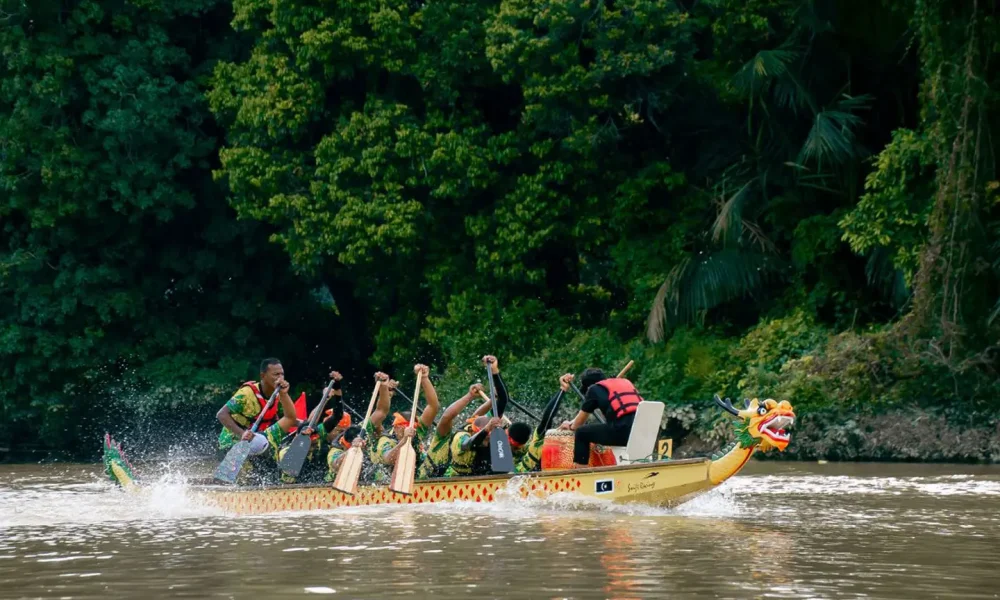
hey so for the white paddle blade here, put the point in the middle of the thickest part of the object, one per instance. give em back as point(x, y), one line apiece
point(402, 473)
point(232, 464)
point(350, 470)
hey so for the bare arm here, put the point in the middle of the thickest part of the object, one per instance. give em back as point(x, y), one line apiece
point(484, 408)
point(383, 403)
point(580, 419)
point(390, 457)
point(455, 409)
point(288, 419)
point(433, 405)
point(228, 422)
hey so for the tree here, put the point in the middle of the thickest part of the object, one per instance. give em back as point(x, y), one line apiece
point(122, 272)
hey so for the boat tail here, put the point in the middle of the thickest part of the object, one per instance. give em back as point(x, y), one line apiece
point(116, 466)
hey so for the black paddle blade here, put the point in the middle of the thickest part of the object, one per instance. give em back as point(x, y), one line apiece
point(501, 457)
point(291, 463)
point(231, 465)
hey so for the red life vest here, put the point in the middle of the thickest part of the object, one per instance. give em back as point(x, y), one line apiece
point(622, 395)
point(271, 415)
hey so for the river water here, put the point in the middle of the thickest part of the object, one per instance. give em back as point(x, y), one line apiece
point(789, 530)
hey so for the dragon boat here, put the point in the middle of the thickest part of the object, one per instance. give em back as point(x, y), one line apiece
point(760, 426)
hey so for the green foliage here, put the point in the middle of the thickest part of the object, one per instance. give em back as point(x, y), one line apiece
point(893, 213)
point(122, 268)
point(485, 162)
point(562, 184)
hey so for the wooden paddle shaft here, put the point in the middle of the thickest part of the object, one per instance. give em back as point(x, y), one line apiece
point(404, 470)
point(627, 367)
point(349, 472)
point(371, 405)
point(416, 396)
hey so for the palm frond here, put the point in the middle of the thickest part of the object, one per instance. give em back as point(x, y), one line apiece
point(657, 321)
point(700, 283)
point(831, 138)
point(754, 77)
point(789, 94)
point(729, 220)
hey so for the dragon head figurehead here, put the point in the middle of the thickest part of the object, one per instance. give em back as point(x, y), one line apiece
point(764, 423)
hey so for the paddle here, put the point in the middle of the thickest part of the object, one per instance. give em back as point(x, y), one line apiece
point(350, 467)
point(232, 464)
point(352, 411)
point(625, 370)
point(515, 403)
point(501, 456)
point(291, 463)
point(406, 460)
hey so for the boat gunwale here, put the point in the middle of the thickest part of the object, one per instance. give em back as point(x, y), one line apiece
point(217, 487)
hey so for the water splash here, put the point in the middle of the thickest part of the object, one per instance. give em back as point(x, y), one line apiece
point(82, 496)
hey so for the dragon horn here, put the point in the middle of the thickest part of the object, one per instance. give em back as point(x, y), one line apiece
point(726, 405)
point(746, 403)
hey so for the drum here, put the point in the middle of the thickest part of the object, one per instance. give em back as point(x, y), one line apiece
point(557, 451)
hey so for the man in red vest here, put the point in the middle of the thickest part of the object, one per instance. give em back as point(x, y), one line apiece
point(239, 413)
point(617, 400)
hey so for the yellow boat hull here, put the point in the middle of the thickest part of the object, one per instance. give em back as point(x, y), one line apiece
point(665, 483)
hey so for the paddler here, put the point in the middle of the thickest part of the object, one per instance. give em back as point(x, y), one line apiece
point(470, 452)
point(617, 400)
point(239, 412)
point(339, 448)
point(437, 456)
point(525, 442)
point(486, 408)
point(386, 449)
point(325, 431)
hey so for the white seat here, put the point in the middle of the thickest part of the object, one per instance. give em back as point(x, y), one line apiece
point(642, 438)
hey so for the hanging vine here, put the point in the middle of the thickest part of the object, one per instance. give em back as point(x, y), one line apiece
point(949, 294)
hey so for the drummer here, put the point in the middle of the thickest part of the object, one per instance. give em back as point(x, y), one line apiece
point(617, 400)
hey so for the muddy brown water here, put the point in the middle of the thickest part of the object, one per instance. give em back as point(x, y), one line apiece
point(788, 530)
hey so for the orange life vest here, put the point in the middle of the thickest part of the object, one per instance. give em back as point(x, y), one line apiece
point(271, 415)
point(622, 395)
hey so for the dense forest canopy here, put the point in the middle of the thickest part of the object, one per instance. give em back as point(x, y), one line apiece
point(792, 198)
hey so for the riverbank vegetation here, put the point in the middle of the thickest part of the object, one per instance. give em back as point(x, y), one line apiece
point(782, 198)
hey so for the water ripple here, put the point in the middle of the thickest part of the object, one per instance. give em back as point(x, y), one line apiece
point(780, 531)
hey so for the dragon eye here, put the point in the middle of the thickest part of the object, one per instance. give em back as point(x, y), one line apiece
point(762, 411)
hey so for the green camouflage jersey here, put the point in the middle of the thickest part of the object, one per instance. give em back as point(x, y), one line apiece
point(528, 457)
point(386, 442)
point(436, 457)
point(244, 408)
